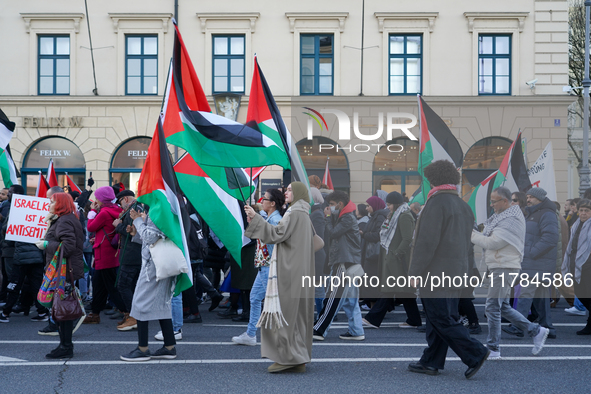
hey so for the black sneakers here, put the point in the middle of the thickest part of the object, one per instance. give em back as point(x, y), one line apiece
point(137, 355)
point(50, 329)
point(41, 317)
point(164, 353)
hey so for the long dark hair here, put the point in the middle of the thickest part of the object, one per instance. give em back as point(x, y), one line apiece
point(278, 198)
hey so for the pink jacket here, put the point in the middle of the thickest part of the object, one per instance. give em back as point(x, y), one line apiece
point(105, 256)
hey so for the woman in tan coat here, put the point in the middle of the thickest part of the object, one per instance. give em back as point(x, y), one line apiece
point(286, 326)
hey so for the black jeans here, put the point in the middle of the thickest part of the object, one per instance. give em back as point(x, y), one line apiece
point(377, 313)
point(103, 287)
point(34, 272)
point(466, 308)
point(444, 330)
point(128, 275)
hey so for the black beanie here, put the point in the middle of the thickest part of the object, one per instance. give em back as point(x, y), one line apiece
point(394, 198)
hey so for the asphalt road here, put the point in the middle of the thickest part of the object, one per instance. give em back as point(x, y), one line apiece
point(208, 362)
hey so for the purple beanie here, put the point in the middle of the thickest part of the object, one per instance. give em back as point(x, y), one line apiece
point(105, 194)
point(376, 203)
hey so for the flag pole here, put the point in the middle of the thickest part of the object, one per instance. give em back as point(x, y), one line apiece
point(238, 183)
point(420, 141)
point(250, 187)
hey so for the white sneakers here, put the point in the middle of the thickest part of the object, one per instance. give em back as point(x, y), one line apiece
point(178, 335)
point(367, 324)
point(494, 355)
point(245, 339)
point(575, 312)
point(540, 340)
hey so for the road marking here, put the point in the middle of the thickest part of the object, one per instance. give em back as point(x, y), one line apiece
point(260, 360)
point(392, 324)
point(9, 359)
point(343, 344)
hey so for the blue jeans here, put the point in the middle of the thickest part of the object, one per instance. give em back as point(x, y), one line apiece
point(579, 305)
point(257, 294)
point(349, 303)
point(177, 312)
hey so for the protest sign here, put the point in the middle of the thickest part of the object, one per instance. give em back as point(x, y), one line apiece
point(26, 220)
point(541, 174)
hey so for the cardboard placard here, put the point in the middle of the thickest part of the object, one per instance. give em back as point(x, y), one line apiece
point(25, 223)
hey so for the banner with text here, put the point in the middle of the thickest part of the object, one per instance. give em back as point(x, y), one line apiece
point(541, 174)
point(25, 223)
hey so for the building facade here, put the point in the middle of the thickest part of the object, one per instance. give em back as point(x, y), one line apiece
point(488, 70)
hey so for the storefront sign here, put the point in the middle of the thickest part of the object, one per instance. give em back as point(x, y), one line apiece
point(270, 184)
point(54, 153)
point(26, 220)
point(74, 121)
point(137, 154)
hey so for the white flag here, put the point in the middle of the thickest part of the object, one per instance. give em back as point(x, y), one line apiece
point(541, 173)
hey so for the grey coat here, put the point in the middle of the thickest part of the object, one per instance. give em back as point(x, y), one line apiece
point(152, 299)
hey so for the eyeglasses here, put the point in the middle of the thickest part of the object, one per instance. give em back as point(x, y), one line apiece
point(492, 202)
point(265, 199)
point(514, 200)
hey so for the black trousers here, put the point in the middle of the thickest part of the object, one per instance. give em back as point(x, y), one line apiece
point(466, 308)
point(444, 330)
point(377, 313)
point(165, 326)
point(34, 272)
point(66, 329)
point(128, 275)
point(330, 303)
point(103, 287)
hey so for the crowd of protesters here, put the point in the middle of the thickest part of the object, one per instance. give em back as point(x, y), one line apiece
point(300, 232)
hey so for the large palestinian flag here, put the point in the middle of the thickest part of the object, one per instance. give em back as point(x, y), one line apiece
point(263, 115)
point(221, 211)
point(158, 188)
point(512, 174)
point(211, 140)
point(436, 142)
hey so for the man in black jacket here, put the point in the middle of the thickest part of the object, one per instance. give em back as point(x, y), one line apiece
point(342, 231)
point(130, 258)
point(442, 248)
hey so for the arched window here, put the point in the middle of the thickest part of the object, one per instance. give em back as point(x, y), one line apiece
point(395, 167)
point(481, 160)
point(67, 158)
point(314, 154)
point(128, 161)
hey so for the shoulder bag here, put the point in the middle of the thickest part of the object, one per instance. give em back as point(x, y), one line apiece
point(66, 304)
point(318, 241)
point(168, 259)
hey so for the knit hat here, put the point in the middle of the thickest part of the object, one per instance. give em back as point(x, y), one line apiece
point(106, 195)
point(394, 198)
point(376, 203)
point(537, 192)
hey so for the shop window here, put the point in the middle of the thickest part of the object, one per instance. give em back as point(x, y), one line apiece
point(481, 160)
point(128, 161)
point(395, 167)
point(67, 158)
point(314, 161)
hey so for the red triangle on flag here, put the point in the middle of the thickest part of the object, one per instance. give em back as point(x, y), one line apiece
point(42, 186)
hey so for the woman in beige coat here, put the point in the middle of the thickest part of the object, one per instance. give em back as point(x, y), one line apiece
point(288, 343)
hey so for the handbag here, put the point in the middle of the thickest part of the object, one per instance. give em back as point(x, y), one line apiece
point(66, 303)
point(113, 241)
point(51, 280)
point(168, 259)
point(317, 240)
point(372, 251)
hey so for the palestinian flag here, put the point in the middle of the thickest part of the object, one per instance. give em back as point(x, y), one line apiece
point(326, 179)
point(211, 140)
point(51, 176)
point(237, 182)
point(512, 174)
point(263, 114)
point(436, 142)
point(221, 211)
point(7, 167)
point(158, 188)
point(72, 184)
point(42, 186)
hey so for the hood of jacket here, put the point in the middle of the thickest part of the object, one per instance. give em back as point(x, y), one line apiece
point(350, 207)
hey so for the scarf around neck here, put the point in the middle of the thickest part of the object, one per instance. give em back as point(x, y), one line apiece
point(389, 227)
point(508, 225)
point(441, 187)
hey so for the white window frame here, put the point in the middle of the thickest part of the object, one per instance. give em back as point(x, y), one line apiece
point(401, 23)
point(317, 23)
point(228, 23)
point(39, 24)
point(511, 23)
point(140, 24)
